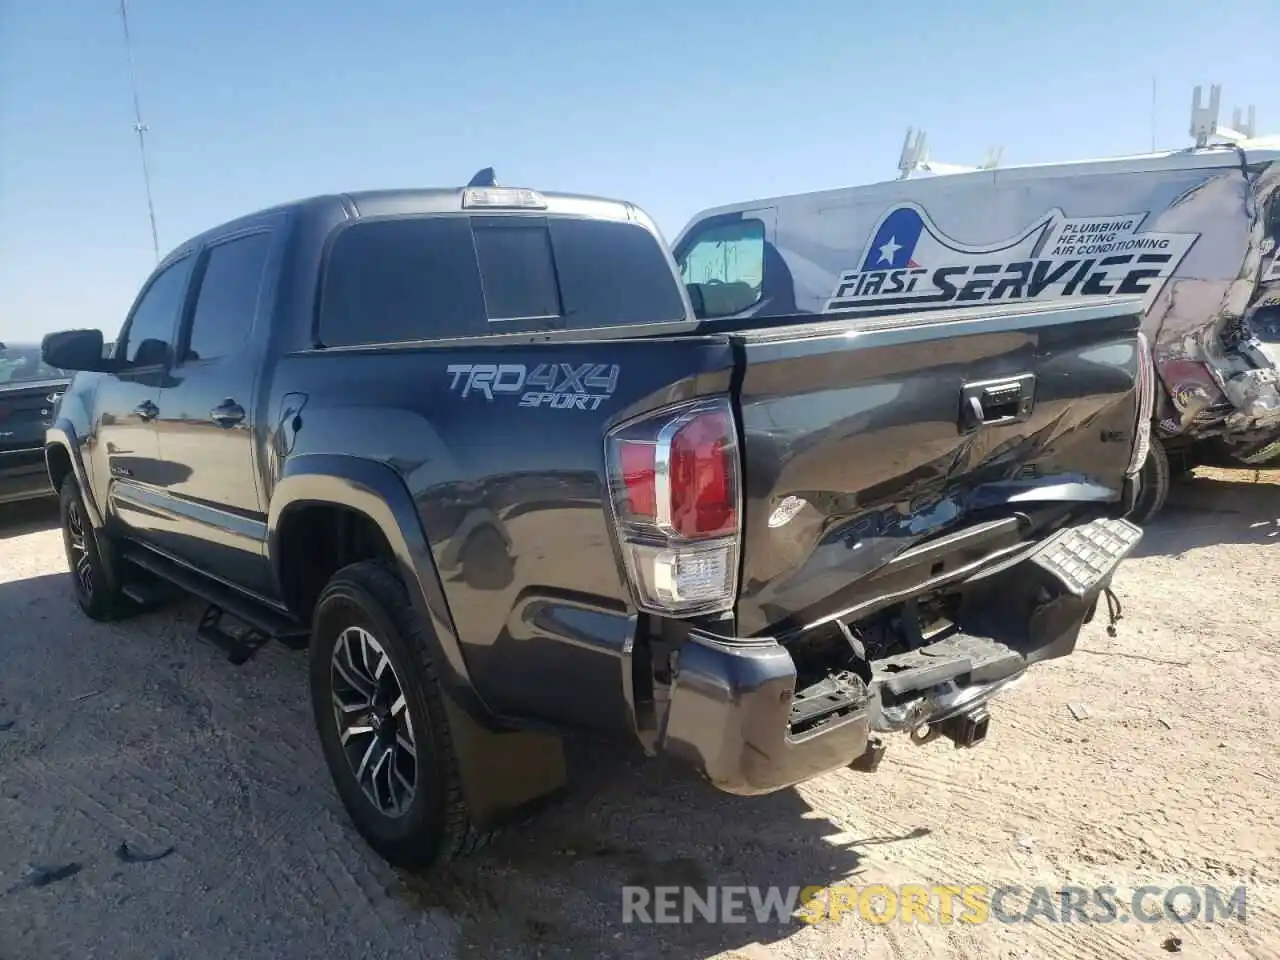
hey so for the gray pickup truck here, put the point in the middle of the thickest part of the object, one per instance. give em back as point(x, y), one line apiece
point(472, 449)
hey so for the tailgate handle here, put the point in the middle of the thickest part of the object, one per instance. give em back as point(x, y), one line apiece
point(996, 402)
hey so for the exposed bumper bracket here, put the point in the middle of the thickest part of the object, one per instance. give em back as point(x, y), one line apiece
point(736, 715)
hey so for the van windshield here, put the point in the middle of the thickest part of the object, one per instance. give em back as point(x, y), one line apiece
point(723, 266)
point(414, 278)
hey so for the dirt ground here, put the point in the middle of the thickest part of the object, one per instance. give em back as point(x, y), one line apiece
point(1145, 759)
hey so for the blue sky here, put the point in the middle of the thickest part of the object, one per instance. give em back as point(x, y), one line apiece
point(674, 105)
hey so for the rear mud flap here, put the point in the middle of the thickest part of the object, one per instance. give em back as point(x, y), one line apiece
point(506, 776)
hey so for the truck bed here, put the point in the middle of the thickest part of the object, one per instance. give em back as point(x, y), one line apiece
point(860, 442)
point(852, 444)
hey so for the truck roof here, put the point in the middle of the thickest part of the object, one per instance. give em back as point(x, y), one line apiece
point(377, 203)
point(426, 200)
point(1260, 150)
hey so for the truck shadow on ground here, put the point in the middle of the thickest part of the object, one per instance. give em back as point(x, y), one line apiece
point(630, 826)
point(1203, 511)
point(28, 516)
point(550, 887)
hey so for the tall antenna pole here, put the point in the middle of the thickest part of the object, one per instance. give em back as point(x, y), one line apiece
point(140, 128)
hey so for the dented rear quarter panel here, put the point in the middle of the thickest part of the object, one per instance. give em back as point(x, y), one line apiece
point(511, 495)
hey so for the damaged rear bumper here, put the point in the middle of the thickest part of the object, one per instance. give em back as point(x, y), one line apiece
point(736, 715)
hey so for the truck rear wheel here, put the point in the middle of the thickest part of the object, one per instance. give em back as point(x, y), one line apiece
point(1155, 480)
point(381, 717)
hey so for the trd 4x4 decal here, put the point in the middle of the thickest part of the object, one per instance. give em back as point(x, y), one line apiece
point(560, 386)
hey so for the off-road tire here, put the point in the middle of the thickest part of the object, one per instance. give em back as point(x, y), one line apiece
point(436, 825)
point(91, 559)
point(1155, 479)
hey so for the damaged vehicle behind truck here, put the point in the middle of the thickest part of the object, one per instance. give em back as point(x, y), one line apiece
point(1192, 232)
point(472, 450)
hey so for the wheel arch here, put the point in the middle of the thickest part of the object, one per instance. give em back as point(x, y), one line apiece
point(377, 493)
point(62, 459)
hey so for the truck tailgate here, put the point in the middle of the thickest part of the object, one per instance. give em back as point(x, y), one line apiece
point(864, 437)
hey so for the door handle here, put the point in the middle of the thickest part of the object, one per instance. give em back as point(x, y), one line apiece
point(146, 410)
point(227, 414)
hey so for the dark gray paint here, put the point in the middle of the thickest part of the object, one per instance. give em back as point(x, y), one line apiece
point(826, 410)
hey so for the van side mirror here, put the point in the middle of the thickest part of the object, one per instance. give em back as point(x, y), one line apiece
point(75, 350)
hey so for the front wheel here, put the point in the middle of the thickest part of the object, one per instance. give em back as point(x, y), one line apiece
point(93, 578)
point(380, 714)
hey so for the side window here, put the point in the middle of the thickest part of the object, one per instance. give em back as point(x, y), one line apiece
point(148, 335)
point(410, 279)
point(228, 297)
point(18, 364)
point(723, 266)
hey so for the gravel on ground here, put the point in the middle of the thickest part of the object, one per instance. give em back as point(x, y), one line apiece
point(156, 801)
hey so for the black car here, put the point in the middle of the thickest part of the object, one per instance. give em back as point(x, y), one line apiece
point(29, 394)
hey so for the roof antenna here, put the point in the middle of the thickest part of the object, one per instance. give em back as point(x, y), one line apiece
point(140, 129)
point(484, 178)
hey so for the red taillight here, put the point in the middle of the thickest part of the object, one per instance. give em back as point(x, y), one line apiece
point(680, 474)
point(674, 480)
point(703, 460)
point(637, 468)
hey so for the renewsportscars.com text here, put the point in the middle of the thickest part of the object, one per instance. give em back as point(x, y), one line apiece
point(932, 904)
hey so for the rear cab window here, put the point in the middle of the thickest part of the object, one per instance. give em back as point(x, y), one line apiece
point(463, 275)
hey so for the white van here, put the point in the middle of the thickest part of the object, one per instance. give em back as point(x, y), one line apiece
point(1192, 231)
